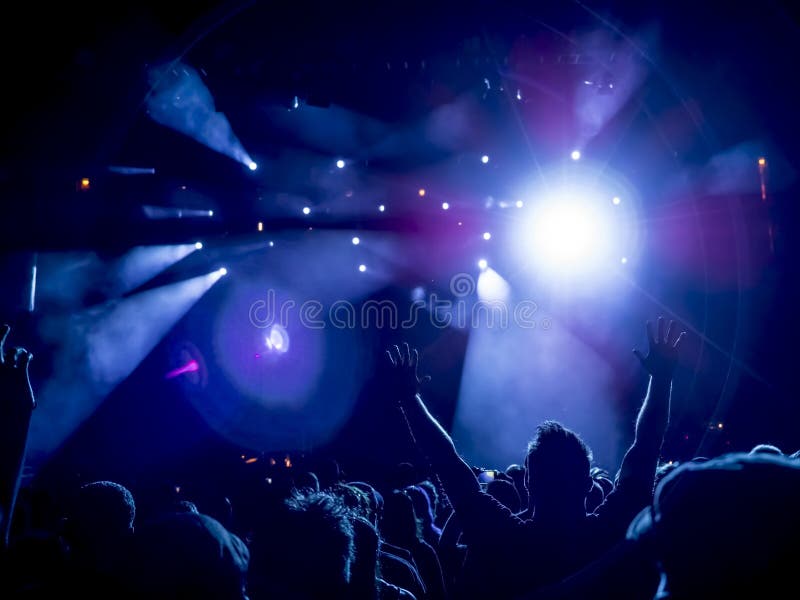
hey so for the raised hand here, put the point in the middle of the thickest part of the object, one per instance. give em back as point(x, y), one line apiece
point(662, 355)
point(402, 371)
point(15, 385)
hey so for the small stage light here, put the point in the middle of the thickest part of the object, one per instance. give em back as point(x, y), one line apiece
point(306, 210)
point(445, 205)
point(252, 166)
point(211, 213)
point(484, 159)
point(421, 191)
point(381, 208)
point(261, 226)
point(191, 367)
point(761, 162)
point(616, 200)
point(223, 271)
point(340, 163)
point(624, 260)
point(198, 245)
point(356, 241)
point(362, 268)
point(487, 236)
point(576, 155)
point(85, 184)
point(482, 264)
point(519, 203)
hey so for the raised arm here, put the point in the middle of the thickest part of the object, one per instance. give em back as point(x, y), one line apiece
point(640, 462)
point(16, 403)
point(402, 379)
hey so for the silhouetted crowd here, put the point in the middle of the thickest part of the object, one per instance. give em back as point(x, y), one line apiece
point(555, 526)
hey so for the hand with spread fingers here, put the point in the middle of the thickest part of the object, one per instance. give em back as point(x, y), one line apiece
point(402, 376)
point(15, 385)
point(664, 349)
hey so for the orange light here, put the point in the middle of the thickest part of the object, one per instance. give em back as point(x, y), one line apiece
point(421, 191)
point(762, 161)
point(260, 226)
point(272, 461)
point(288, 462)
point(85, 183)
point(250, 461)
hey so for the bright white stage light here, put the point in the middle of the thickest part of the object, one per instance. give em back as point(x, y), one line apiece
point(574, 234)
point(223, 271)
point(252, 166)
point(211, 213)
point(198, 245)
point(445, 205)
point(482, 264)
point(356, 241)
point(567, 233)
point(520, 203)
point(576, 155)
point(362, 268)
point(381, 208)
point(485, 159)
point(340, 163)
point(616, 200)
point(306, 210)
point(487, 236)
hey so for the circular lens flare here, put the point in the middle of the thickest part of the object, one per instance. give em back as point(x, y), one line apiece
point(278, 339)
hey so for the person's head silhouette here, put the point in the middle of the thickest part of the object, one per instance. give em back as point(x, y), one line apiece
point(558, 471)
